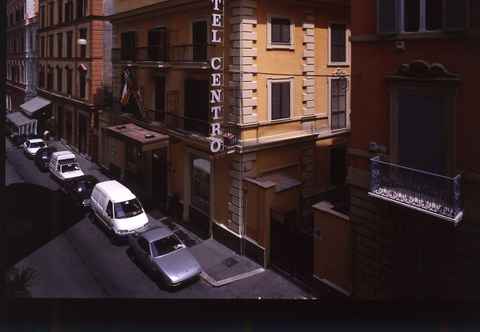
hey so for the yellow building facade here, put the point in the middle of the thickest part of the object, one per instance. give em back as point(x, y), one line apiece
point(285, 117)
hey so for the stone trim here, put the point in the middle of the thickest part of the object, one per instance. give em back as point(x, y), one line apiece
point(309, 64)
point(243, 55)
point(242, 165)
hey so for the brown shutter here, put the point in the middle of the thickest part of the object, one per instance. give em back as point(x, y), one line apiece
point(474, 17)
point(387, 16)
point(285, 32)
point(285, 100)
point(455, 14)
point(276, 101)
point(276, 31)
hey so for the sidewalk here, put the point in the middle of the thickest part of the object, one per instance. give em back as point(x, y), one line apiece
point(220, 265)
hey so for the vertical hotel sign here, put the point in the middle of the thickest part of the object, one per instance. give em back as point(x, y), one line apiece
point(216, 76)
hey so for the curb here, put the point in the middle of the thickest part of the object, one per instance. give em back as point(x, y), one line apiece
point(226, 281)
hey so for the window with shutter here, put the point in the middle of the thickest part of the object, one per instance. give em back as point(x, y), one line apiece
point(338, 43)
point(60, 45)
point(474, 9)
point(421, 15)
point(338, 103)
point(455, 14)
point(128, 46)
point(387, 21)
point(280, 30)
point(69, 44)
point(280, 102)
point(59, 79)
point(157, 44)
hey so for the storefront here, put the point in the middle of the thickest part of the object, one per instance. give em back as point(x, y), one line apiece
point(137, 157)
point(39, 109)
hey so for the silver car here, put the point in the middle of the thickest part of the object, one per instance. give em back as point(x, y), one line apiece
point(163, 253)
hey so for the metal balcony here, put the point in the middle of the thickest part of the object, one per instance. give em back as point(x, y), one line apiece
point(423, 191)
point(171, 54)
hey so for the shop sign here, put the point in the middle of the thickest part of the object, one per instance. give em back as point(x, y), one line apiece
point(216, 77)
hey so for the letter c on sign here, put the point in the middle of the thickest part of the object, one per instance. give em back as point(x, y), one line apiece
point(216, 63)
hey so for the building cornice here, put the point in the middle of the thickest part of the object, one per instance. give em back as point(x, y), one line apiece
point(147, 10)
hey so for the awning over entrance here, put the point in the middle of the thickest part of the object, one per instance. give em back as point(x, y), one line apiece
point(282, 181)
point(148, 139)
point(34, 105)
point(24, 124)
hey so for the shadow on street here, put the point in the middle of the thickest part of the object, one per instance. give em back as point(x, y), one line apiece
point(35, 216)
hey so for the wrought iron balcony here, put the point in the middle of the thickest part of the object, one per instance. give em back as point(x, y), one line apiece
point(181, 54)
point(427, 192)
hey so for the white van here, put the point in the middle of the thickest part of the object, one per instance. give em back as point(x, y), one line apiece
point(118, 208)
point(64, 166)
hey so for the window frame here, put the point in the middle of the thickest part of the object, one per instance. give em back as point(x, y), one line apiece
point(347, 103)
point(346, 63)
point(86, 86)
point(125, 54)
point(275, 45)
point(431, 88)
point(271, 81)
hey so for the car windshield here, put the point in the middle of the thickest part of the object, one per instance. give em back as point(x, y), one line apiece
point(127, 209)
point(166, 245)
point(67, 161)
point(37, 145)
point(70, 168)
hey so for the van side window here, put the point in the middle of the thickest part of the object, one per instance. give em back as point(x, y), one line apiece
point(109, 209)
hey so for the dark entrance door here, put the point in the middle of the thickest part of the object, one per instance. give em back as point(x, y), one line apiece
point(159, 177)
point(60, 122)
point(291, 247)
point(199, 40)
point(82, 133)
point(159, 98)
point(68, 127)
point(196, 106)
point(157, 44)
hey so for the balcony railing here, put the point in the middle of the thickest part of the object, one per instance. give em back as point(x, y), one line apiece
point(172, 53)
point(427, 192)
point(187, 124)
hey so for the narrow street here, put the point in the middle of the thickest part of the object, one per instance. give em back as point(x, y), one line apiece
point(81, 261)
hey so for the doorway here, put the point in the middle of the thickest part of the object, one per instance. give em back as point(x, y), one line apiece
point(159, 98)
point(60, 120)
point(291, 247)
point(199, 211)
point(159, 177)
point(68, 127)
point(82, 133)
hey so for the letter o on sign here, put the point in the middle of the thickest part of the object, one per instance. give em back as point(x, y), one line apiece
point(216, 145)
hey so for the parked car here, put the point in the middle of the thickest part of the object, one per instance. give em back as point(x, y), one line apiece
point(32, 145)
point(64, 166)
point(43, 156)
point(163, 253)
point(117, 208)
point(79, 189)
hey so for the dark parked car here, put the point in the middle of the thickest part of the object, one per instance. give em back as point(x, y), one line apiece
point(163, 253)
point(79, 189)
point(42, 158)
